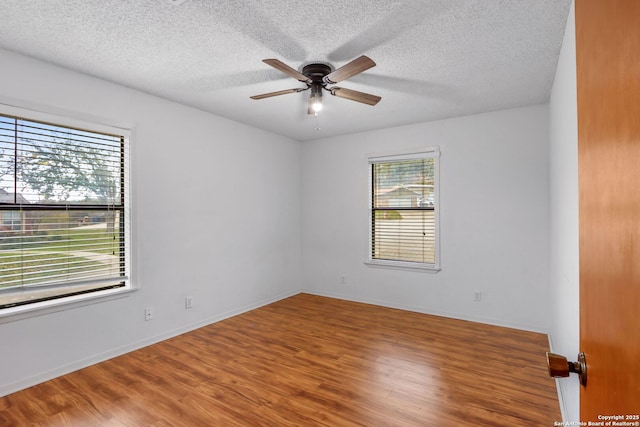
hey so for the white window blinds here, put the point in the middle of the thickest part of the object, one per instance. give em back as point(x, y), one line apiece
point(403, 204)
point(63, 211)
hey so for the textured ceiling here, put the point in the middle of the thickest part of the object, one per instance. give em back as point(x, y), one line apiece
point(435, 58)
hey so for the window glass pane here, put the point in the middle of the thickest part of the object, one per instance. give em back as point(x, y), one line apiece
point(59, 165)
point(404, 184)
point(59, 246)
point(405, 235)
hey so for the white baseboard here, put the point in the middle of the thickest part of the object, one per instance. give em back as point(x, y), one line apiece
point(6, 389)
point(487, 321)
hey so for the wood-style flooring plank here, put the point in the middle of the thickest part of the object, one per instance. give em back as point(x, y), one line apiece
point(309, 361)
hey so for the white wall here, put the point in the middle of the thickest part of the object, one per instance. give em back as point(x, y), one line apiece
point(209, 222)
point(494, 219)
point(564, 267)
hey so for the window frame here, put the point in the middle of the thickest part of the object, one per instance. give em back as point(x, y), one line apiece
point(91, 124)
point(401, 155)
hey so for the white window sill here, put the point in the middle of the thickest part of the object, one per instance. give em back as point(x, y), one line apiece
point(20, 312)
point(403, 265)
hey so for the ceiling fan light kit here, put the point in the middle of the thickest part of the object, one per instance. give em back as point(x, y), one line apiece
point(320, 76)
point(315, 99)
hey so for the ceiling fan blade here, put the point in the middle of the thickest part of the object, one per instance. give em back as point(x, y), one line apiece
point(281, 66)
point(280, 92)
point(354, 95)
point(354, 67)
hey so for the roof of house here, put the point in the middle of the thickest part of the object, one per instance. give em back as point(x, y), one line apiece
point(416, 189)
point(6, 197)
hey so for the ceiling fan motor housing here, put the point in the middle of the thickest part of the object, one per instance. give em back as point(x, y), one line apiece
point(316, 72)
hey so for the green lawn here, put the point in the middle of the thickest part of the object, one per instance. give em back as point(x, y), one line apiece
point(74, 239)
point(91, 240)
point(55, 255)
point(29, 268)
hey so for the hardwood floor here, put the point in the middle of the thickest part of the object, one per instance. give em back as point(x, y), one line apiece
point(309, 361)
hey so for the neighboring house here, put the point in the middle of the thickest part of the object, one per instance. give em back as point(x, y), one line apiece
point(14, 220)
point(406, 196)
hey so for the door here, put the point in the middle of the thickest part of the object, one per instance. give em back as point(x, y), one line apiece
point(608, 79)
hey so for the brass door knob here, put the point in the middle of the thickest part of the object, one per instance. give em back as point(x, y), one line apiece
point(559, 367)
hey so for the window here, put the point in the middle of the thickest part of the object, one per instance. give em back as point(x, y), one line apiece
point(403, 210)
point(64, 228)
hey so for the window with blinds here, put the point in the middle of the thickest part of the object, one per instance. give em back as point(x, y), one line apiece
point(403, 210)
point(63, 211)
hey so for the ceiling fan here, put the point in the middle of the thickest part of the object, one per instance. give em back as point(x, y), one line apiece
point(321, 76)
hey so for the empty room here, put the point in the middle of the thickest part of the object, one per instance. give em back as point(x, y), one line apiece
point(343, 213)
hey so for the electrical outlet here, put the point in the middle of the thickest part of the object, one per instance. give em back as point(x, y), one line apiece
point(188, 302)
point(343, 280)
point(477, 296)
point(148, 314)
